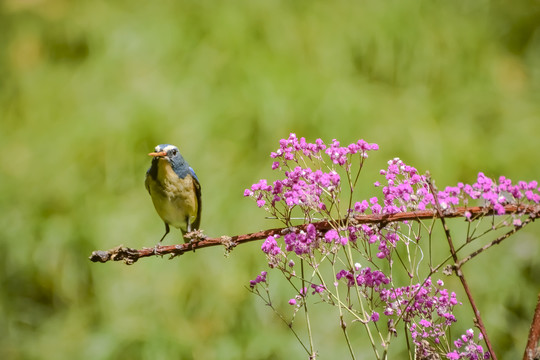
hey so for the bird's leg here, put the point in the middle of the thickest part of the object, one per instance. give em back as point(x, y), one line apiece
point(167, 229)
point(188, 230)
point(191, 237)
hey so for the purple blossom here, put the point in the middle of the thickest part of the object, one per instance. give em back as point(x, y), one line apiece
point(311, 231)
point(376, 209)
point(429, 305)
point(331, 235)
point(292, 149)
point(364, 278)
point(347, 275)
point(292, 301)
point(301, 186)
point(407, 190)
point(361, 207)
point(372, 279)
point(317, 289)
point(315, 192)
point(467, 348)
point(260, 278)
point(270, 246)
point(302, 242)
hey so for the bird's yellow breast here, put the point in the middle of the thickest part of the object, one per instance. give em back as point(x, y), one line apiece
point(174, 198)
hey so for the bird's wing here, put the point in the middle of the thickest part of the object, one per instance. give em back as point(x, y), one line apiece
point(147, 181)
point(192, 172)
point(198, 193)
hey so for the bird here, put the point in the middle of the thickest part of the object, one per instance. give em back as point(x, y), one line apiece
point(175, 190)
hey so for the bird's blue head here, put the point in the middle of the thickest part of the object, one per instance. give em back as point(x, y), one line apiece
point(170, 153)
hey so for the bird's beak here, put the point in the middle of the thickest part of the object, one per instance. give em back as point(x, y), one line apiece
point(156, 154)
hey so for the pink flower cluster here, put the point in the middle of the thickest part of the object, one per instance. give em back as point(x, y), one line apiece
point(386, 238)
point(407, 190)
point(332, 236)
point(317, 289)
point(340, 155)
point(493, 194)
point(427, 309)
point(259, 279)
point(467, 348)
point(292, 149)
point(404, 187)
point(490, 193)
point(301, 242)
point(270, 246)
point(365, 277)
point(300, 187)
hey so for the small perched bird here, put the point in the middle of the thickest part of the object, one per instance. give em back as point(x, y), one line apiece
point(174, 189)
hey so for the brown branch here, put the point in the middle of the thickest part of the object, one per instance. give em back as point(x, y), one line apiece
point(130, 256)
point(532, 352)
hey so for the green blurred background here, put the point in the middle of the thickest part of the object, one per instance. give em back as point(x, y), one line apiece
point(88, 88)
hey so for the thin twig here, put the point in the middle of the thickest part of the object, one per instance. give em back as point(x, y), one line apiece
point(532, 351)
point(494, 242)
point(130, 255)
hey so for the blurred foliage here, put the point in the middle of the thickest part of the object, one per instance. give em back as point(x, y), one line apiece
point(88, 88)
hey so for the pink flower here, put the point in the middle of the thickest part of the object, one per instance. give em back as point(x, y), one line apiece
point(292, 302)
point(331, 235)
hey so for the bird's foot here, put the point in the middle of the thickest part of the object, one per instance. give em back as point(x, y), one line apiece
point(195, 236)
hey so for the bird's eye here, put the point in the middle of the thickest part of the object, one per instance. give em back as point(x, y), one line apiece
point(174, 152)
